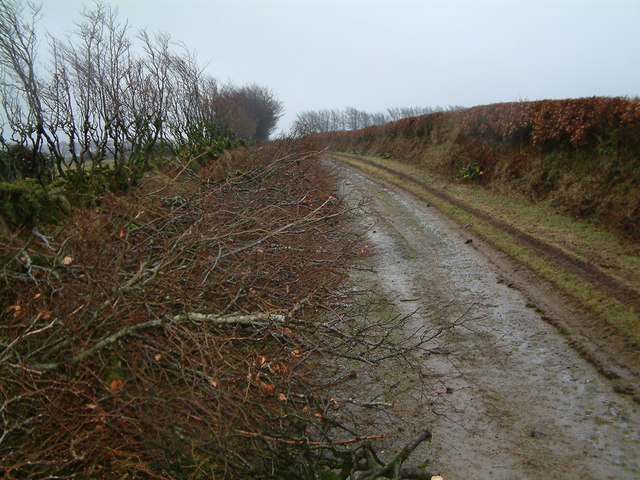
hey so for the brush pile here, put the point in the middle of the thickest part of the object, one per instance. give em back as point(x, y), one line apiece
point(176, 332)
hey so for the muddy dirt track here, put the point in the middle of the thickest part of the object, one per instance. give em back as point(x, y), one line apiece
point(617, 289)
point(503, 392)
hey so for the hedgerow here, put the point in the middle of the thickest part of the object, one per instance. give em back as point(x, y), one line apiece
point(580, 154)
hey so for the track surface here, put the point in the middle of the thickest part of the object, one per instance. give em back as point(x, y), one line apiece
point(505, 395)
point(586, 270)
point(597, 342)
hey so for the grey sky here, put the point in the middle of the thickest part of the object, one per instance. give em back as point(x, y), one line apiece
point(374, 54)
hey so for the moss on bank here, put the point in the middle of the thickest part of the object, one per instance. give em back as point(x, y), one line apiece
point(26, 202)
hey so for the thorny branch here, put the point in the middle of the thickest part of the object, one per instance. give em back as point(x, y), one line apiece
point(145, 335)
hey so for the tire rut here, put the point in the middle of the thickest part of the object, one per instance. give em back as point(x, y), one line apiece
point(585, 270)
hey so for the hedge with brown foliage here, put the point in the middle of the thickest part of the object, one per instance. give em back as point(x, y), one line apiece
point(580, 154)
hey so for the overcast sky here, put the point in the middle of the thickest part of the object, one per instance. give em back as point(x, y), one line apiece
point(374, 54)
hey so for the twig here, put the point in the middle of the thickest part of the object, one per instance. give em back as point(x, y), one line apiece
point(308, 442)
point(256, 319)
point(394, 468)
point(42, 238)
point(306, 219)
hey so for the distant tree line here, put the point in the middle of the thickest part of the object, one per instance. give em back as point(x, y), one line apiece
point(315, 121)
point(100, 96)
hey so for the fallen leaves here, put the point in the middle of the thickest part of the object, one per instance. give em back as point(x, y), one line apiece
point(16, 309)
point(12, 308)
point(266, 387)
point(115, 386)
point(261, 361)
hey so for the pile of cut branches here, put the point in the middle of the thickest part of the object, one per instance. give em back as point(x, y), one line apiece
point(175, 332)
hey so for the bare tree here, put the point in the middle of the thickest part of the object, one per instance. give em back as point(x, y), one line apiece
point(353, 119)
point(251, 111)
point(157, 65)
point(102, 100)
point(21, 89)
point(100, 61)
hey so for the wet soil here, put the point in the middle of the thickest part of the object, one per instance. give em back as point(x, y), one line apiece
point(588, 271)
point(505, 394)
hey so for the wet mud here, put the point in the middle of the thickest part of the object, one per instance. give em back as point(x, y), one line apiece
point(505, 394)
